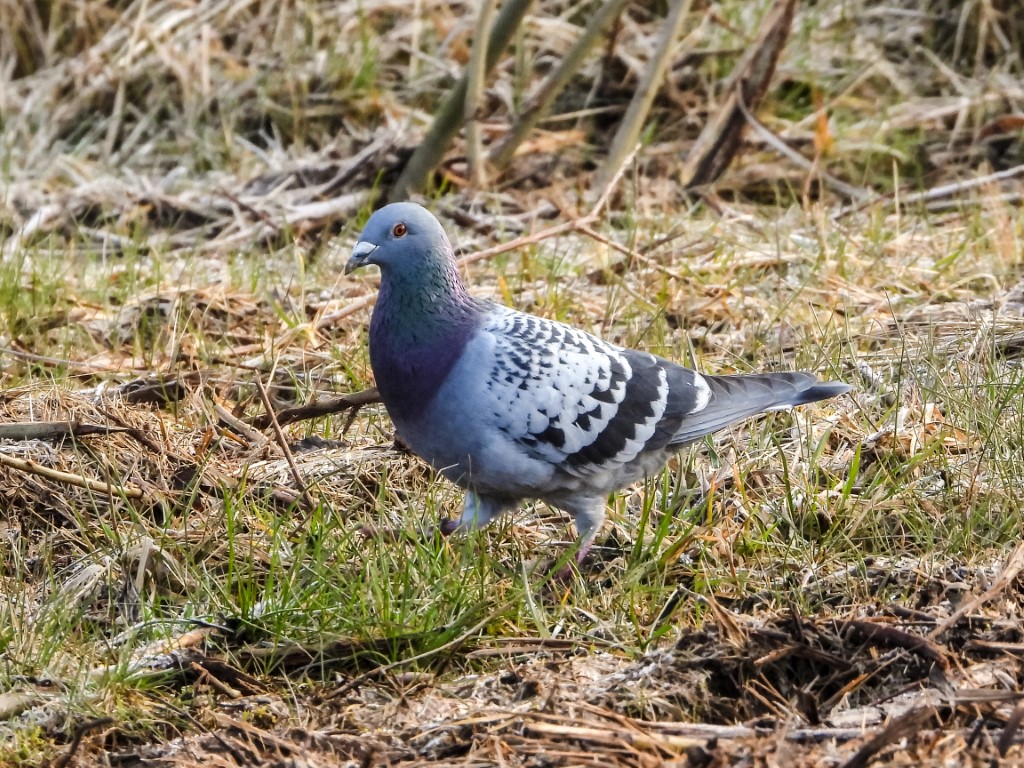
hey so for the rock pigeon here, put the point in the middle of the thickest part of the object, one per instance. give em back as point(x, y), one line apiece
point(511, 406)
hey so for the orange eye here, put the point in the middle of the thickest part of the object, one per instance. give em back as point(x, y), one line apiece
point(399, 230)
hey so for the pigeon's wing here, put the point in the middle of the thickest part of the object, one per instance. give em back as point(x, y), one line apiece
point(579, 403)
point(587, 406)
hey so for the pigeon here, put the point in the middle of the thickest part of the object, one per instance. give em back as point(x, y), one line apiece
point(510, 406)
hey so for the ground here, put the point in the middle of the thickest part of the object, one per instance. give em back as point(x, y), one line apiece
point(212, 546)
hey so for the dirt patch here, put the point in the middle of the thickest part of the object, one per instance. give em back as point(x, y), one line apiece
point(895, 685)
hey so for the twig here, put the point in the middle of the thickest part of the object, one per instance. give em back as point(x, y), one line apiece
point(265, 742)
point(1014, 565)
point(609, 187)
point(219, 685)
point(53, 430)
point(355, 401)
point(668, 735)
point(719, 140)
point(238, 426)
point(994, 647)
point(846, 190)
point(894, 731)
point(281, 441)
point(76, 740)
point(61, 361)
point(948, 190)
point(612, 736)
point(96, 486)
point(593, 234)
point(936, 193)
point(319, 210)
point(894, 637)
point(1008, 736)
point(351, 308)
point(636, 114)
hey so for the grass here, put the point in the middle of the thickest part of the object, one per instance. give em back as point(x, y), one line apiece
point(842, 508)
point(247, 564)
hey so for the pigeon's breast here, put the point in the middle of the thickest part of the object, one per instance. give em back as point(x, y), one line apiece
point(458, 432)
point(412, 360)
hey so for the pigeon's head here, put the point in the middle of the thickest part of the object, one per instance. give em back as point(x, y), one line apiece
point(401, 239)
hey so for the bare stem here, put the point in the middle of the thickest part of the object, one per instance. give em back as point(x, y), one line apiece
point(546, 93)
point(632, 124)
point(449, 117)
point(476, 79)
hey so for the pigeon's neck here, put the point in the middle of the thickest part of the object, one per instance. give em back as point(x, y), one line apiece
point(419, 329)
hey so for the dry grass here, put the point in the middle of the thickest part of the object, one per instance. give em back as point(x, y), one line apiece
point(180, 182)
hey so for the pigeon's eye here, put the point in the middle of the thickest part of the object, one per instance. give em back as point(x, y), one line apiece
point(399, 230)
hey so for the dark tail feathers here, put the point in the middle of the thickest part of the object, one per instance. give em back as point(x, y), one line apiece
point(738, 397)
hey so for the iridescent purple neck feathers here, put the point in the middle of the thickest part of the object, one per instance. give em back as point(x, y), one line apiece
point(424, 316)
point(417, 334)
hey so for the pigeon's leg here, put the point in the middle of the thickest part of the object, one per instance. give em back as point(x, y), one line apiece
point(588, 515)
point(477, 512)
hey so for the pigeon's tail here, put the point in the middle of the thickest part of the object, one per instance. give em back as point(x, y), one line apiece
point(737, 397)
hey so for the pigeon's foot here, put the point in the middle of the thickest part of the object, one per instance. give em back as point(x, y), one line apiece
point(562, 582)
point(562, 576)
point(445, 527)
point(568, 571)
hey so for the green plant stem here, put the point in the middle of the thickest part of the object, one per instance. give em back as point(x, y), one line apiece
point(448, 118)
point(546, 93)
point(632, 124)
point(476, 74)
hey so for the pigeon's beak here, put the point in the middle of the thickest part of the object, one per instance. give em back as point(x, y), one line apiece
point(360, 255)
